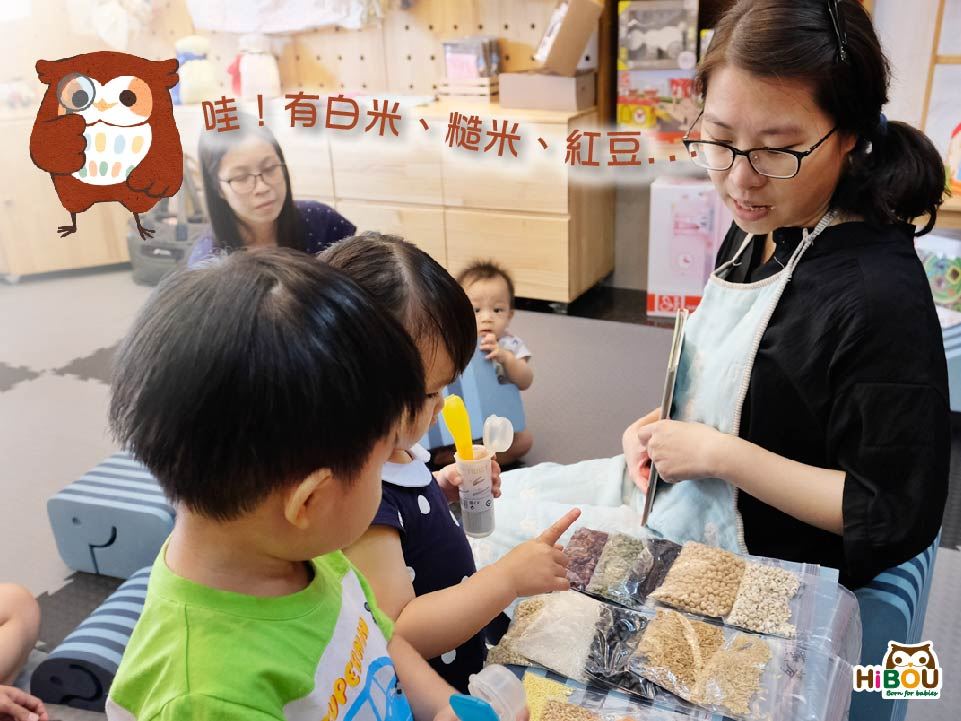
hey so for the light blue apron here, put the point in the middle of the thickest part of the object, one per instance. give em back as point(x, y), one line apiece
point(721, 340)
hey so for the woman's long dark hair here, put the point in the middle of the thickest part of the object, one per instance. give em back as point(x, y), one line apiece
point(291, 232)
point(896, 173)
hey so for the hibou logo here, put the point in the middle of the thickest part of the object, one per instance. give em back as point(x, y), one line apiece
point(909, 672)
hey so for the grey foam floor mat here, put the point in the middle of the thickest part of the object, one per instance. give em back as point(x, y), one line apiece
point(96, 366)
point(62, 611)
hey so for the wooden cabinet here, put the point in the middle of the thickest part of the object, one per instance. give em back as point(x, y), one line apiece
point(554, 235)
point(533, 247)
point(422, 226)
point(30, 213)
point(404, 170)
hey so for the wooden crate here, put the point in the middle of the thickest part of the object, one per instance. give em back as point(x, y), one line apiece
point(478, 88)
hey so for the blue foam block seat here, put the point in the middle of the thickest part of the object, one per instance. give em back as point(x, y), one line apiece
point(892, 609)
point(113, 520)
point(80, 670)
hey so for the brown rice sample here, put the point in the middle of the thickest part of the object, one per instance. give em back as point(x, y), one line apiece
point(732, 676)
point(674, 650)
point(555, 710)
point(702, 580)
point(504, 652)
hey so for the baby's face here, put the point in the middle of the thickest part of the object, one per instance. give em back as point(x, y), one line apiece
point(492, 305)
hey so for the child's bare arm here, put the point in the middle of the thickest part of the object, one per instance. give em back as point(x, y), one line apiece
point(437, 622)
point(519, 370)
point(428, 694)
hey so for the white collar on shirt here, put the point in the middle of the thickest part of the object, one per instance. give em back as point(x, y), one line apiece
point(415, 474)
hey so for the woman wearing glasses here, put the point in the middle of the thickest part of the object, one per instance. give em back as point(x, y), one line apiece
point(249, 200)
point(810, 418)
point(812, 392)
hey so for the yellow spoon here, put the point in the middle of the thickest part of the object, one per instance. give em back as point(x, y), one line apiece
point(458, 423)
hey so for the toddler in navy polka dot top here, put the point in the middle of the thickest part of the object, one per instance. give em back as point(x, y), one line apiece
point(415, 554)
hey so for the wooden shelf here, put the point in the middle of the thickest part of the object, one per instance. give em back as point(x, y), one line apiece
point(949, 215)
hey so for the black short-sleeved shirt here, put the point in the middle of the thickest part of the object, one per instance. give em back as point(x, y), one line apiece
point(850, 375)
point(435, 548)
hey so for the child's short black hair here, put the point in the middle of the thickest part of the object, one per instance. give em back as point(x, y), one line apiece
point(423, 296)
point(486, 270)
point(249, 373)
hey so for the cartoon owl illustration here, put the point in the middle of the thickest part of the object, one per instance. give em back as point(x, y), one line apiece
point(105, 131)
point(919, 655)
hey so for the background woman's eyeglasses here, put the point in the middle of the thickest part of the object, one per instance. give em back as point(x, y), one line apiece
point(246, 183)
point(781, 163)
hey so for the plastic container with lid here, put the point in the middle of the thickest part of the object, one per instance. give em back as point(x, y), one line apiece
point(499, 688)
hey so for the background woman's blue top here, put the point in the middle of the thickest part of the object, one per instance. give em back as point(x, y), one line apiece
point(324, 226)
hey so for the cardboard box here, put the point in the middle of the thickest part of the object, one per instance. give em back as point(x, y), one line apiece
point(540, 91)
point(688, 225)
point(568, 32)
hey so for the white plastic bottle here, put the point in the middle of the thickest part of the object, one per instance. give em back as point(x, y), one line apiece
point(476, 493)
point(500, 688)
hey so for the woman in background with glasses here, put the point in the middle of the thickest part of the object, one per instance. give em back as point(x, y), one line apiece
point(249, 199)
point(813, 380)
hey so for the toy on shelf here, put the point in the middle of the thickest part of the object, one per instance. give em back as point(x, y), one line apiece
point(659, 102)
point(688, 223)
point(198, 75)
point(657, 34)
point(256, 67)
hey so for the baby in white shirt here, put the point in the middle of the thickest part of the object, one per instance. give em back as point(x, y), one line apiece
point(491, 291)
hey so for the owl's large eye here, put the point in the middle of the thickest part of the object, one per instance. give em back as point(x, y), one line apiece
point(921, 659)
point(899, 659)
point(76, 92)
point(128, 97)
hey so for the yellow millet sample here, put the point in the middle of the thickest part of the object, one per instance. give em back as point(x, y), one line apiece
point(539, 691)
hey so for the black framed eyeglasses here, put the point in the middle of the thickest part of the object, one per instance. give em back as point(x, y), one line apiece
point(780, 163)
point(840, 29)
point(246, 183)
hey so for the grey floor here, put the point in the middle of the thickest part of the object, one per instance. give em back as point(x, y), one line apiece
point(592, 377)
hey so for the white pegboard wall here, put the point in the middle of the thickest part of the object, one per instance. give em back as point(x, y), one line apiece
point(405, 53)
point(401, 54)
